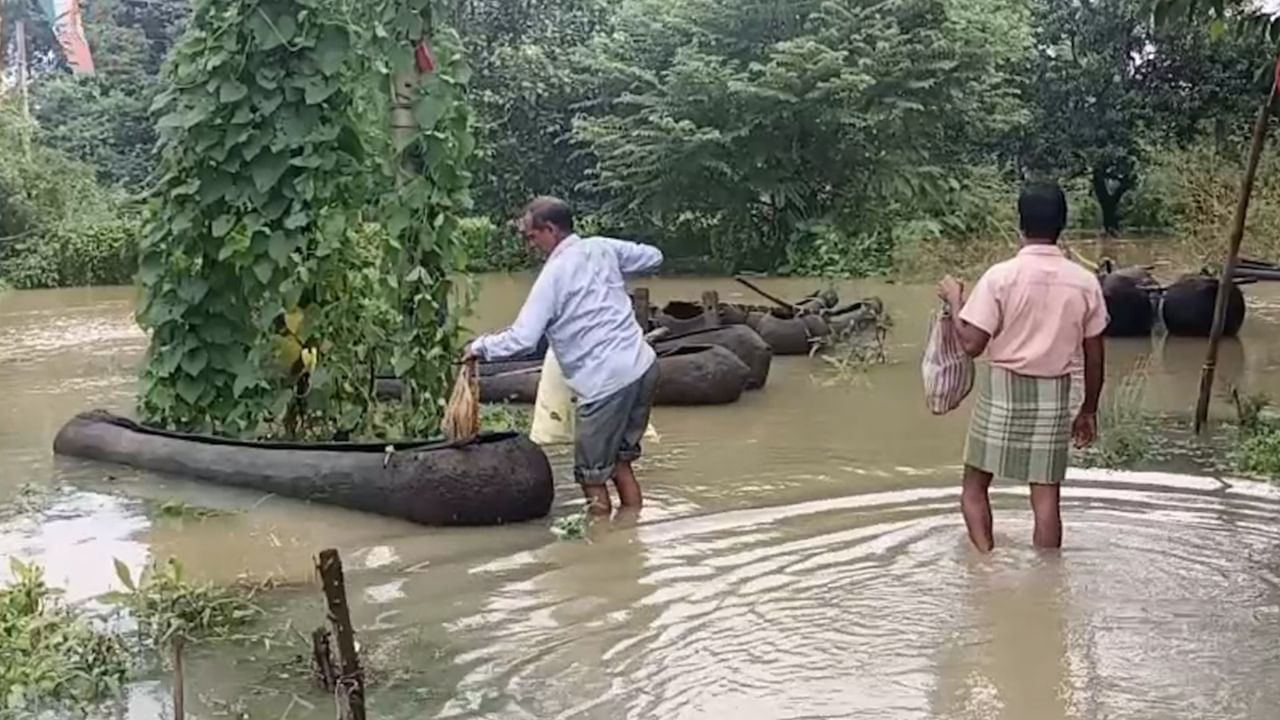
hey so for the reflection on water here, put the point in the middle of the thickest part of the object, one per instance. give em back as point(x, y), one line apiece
point(801, 555)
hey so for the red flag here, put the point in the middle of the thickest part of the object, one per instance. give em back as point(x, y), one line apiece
point(425, 59)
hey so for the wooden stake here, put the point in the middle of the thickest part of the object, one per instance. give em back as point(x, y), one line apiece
point(322, 659)
point(349, 685)
point(640, 303)
point(711, 307)
point(1233, 255)
point(179, 693)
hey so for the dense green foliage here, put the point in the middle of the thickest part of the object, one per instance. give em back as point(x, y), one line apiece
point(275, 149)
point(815, 137)
point(57, 225)
point(51, 654)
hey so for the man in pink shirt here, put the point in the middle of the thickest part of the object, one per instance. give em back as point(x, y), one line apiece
point(1031, 314)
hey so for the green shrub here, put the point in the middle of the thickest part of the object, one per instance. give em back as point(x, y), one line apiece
point(492, 248)
point(71, 255)
point(1200, 187)
point(51, 654)
point(1260, 453)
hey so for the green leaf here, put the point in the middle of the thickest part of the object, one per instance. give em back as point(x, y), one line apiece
point(189, 389)
point(428, 112)
point(245, 379)
point(267, 169)
point(282, 245)
point(222, 225)
point(317, 91)
point(193, 289)
point(299, 218)
point(331, 50)
point(126, 578)
point(195, 361)
point(403, 363)
point(264, 269)
point(232, 91)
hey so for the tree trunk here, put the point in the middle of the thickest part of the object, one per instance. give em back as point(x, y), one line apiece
point(1109, 201)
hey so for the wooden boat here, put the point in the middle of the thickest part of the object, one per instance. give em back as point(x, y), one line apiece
point(1188, 307)
point(689, 375)
point(499, 478)
point(1128, 294)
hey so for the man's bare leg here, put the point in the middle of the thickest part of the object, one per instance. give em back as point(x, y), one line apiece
point(624, 477)
point(976, 506)
point(1045, 500)
point(598, 500)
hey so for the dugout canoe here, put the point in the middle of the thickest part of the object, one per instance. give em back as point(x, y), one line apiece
point(499, 478)
point(1188, 307)
point(1128, 294)
point(689, 375)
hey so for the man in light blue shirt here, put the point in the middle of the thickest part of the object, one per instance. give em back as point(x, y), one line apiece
point(580, 302)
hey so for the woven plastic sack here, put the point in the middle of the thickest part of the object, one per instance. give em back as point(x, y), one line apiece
point(946, 367)
point(553, 409)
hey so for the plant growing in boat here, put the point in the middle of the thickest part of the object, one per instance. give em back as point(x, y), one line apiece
point(275, 150)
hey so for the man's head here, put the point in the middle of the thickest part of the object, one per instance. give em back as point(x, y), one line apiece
point(1042, 213)
point(545, 222)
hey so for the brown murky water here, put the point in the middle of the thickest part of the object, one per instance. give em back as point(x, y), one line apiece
point(800, 556)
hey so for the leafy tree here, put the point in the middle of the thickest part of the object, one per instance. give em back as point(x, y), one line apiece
point(765, 124)
point(104, 119)
point(526, 93)
point(1105, 86)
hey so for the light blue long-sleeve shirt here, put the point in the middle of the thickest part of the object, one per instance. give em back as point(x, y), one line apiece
point(580, 302)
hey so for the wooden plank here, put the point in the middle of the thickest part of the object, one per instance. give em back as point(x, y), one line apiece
point(711, 307)
point(640, 304)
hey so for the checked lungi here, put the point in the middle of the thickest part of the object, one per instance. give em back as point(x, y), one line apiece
point(1021, 427)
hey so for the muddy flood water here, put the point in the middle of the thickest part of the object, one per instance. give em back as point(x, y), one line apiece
point(801, 554)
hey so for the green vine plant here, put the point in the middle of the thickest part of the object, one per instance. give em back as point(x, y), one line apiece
point(302, 236)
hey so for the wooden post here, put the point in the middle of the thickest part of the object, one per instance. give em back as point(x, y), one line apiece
point(349, 686)
point(640, 303)
point(711, 307)
point(1233, 255)
point(322, 659)
point(179, 692)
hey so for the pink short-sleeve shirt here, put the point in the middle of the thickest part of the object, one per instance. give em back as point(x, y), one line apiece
point(1038, 308)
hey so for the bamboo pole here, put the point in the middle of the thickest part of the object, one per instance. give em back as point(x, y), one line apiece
point(1233, 255)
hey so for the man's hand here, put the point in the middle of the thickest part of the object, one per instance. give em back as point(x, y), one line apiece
point(469, 353)
point(1084, 430)
point(951, 291)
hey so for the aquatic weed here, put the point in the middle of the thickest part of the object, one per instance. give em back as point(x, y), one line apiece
point(178, 509)
point(165, 605)
point(1125, 430)
point(52, 654)
point(572, 527)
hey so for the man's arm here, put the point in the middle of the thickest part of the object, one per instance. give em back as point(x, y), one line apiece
point(530, 325)
point(635, 258)
point(974, 320)
point(1095, 363)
